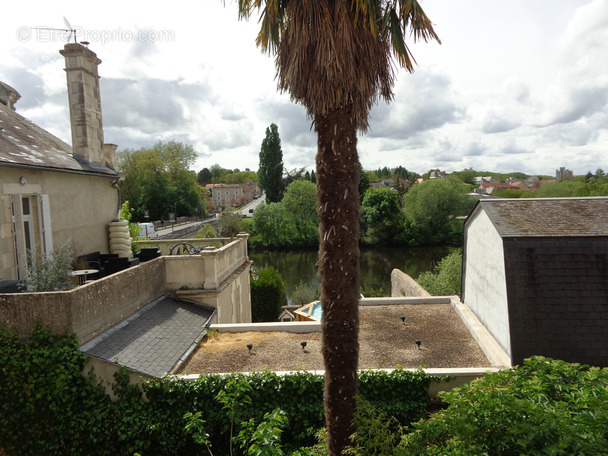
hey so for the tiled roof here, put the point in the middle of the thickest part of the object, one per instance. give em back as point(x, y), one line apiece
point(23, 143)
point(547, 217)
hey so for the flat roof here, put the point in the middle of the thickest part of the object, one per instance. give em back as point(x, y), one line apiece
point(384, 341)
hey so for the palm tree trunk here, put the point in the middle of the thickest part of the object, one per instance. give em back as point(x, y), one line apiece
point(338, 208)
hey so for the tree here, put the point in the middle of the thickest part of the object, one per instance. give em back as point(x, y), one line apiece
point(159, 180)
point(511, 409)
point(267, 295)
point(300, 205)
point(433, 205)
point(293, 175)
point(271, 223)
point(381, 215)
point(334, 57)
point(270, 172)
point(204, 177)
point(363, 182)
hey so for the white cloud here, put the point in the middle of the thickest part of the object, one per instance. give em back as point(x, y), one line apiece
point(515, 85)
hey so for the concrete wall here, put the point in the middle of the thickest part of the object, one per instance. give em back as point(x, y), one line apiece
point(484, 282)
point(81, 207)
point(87, 310)
point(217, 277)
point(232, 299)
point(402, 285)
point(90, 309)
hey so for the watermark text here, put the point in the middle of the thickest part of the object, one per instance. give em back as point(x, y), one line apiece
point(48, 34)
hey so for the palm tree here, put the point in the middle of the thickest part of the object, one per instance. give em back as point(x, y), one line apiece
point(335, 58)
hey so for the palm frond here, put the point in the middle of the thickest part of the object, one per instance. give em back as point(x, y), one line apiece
point(413, 17)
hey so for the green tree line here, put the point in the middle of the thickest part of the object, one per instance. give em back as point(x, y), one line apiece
point(159, 180)
point(428, 213)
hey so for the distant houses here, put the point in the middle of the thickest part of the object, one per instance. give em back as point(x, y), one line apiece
point(229, 196)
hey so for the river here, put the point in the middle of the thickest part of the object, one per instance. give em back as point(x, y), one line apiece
point(299, 265)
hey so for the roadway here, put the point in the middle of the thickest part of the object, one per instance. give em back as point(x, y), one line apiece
point(180, 230)
point(253, 204)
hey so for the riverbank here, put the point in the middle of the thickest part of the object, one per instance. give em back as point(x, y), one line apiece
point(376, 264)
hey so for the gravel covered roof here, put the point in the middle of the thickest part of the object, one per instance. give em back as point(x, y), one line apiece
point(384, 340)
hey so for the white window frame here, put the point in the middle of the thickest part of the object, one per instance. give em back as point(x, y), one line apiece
point(41, 235)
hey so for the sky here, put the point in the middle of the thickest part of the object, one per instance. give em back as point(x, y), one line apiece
point(518, 85)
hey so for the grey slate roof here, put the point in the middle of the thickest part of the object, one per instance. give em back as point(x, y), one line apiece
point(25, 144)
point(154, 340)
point(547, 217)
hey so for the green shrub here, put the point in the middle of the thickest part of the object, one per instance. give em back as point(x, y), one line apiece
point(303, 294)
point(543, 407)
point(125, 214)
point(206, 232)
point(267, 295)
point(48, 407)
point(378, 434)
point(229, 224)
point(369, 291)
point(447, 277)
point(51, 272)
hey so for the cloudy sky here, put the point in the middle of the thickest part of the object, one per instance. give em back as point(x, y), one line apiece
point(518, 85)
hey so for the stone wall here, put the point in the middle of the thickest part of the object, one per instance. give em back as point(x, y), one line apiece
point(402, 285)
point(220, 276)
point(81, 207)
point(86, 310)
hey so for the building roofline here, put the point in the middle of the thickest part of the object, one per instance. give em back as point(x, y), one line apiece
point(108, 175)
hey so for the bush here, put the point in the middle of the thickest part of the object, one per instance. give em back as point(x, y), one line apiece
point(206, 232)
point(447, 277)
point(542, 407)
point(51, 272)
point(125, 214)
point(303, 294)
point(267, 295)
point(229, 224)
point(48, 407)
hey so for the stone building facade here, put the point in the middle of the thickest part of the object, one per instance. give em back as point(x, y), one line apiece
point(52, 193)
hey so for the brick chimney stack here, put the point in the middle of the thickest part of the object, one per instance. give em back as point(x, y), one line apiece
point(85, 103)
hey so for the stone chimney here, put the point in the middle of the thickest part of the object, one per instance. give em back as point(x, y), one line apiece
point(8, 95)
point(85, 103)
point(109, 151)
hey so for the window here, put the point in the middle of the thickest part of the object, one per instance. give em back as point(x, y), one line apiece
point(31, 227)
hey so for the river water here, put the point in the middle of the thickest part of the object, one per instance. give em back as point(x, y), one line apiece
point(376, 264)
